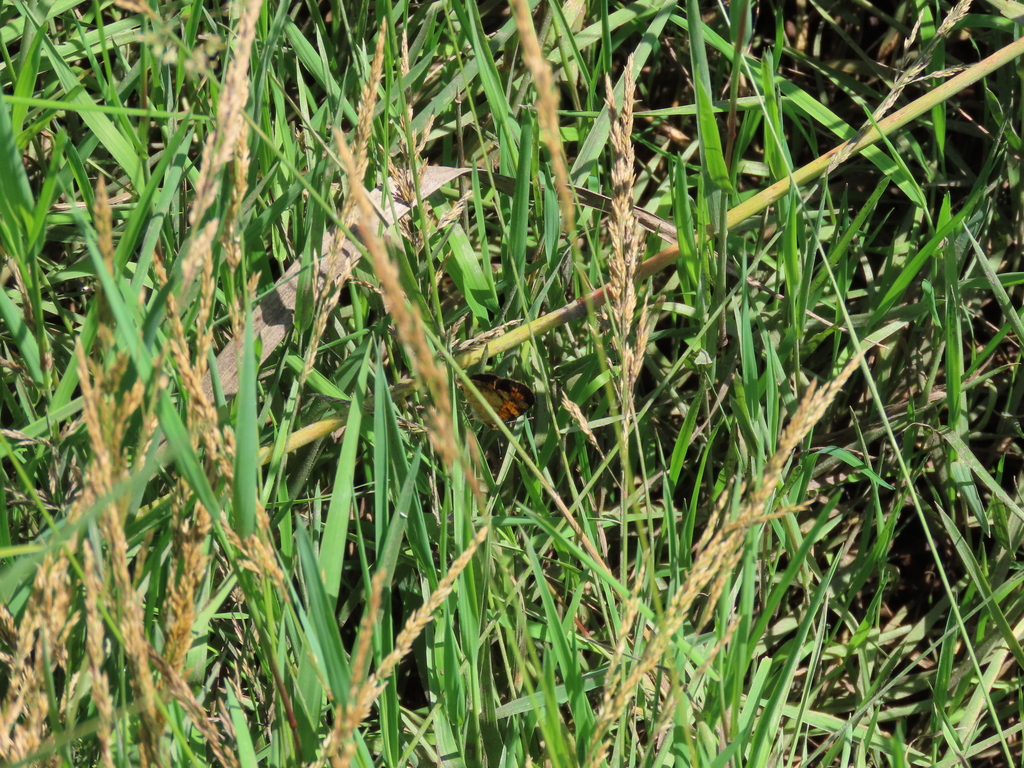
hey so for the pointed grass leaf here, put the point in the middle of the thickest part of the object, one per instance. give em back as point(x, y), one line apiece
point(245, 487)
point(16, 201)
point(715, 165)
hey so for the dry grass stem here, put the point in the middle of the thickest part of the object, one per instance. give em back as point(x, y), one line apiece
point(407, 321)
point(454, 213)
point(231, 240)
point(547, 110)
point(131, 621)
point(190, 363)
point(482, 339)
point(103, 220)
point(623, 229)
point(626, 636)
point(361, 660)
point(340, 262)
point(132, 6)
point(41, 637)
point(223, 141)
point(261, 549)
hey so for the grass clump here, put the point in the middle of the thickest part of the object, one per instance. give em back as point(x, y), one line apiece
point(758, 266)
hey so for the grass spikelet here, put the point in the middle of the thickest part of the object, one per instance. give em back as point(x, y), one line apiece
point(917, 66)
point(187, 574)
point(206, 722)
point(626, 241)
point(406, 317)
point(41, 638)
point(192, 550)
point(339, 747)
point(364, 125)
point(416, 623)
point(229, 126)
point(581, 420)
point(718, 554)
point(95, 635)
point(108, 411)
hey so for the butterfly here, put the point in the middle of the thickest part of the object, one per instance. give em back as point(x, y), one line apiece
point(510, 399)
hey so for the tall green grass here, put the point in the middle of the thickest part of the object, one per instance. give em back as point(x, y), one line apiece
point(760, 266)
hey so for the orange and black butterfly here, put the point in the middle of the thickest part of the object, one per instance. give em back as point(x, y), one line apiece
point(510, 399)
